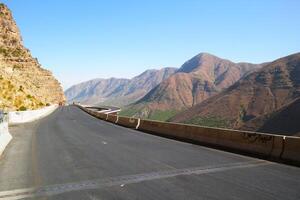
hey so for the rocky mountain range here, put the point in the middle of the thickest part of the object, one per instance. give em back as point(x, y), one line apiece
point(117, 92)
point(265, 100)
point(199, 78)
point(24, 84)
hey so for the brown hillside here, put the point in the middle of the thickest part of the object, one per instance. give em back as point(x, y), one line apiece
point(285, 121)
point(117, 92)
point(198, 79)
point(260, 93)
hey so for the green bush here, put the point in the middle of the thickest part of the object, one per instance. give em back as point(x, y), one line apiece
point(21, 89)
point(22, 108)
point(17, 52)
point(4, 51)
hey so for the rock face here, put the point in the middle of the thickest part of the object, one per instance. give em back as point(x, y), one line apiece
point(24, 84)
point(259, 94)
point(117, 92)
point(198, 79)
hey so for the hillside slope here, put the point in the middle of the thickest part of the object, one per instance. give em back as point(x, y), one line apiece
point(24, 84)
point(198, 79)
point(284, 121)
point(115, 91)
point(259, 93)
point(96, 90)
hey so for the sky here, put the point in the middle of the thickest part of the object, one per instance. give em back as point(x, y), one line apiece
point(80, 40)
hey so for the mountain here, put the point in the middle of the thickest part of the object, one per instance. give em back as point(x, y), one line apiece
point(24, 84)
point(284, 121)
point(96, 90)
point(117, 92)
point(259, 94)
point(198, 79)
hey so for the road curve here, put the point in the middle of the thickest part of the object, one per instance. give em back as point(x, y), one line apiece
point(71, 155)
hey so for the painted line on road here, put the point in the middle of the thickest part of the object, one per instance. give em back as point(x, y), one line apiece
point(122, 180)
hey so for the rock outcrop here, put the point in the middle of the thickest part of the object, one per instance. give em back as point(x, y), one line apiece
point(24, 83)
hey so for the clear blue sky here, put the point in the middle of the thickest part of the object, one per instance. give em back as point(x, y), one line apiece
point(83, 39)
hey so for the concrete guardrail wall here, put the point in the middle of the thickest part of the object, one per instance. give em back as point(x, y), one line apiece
point(17, 117)
point(5, 136)
point(278, 147)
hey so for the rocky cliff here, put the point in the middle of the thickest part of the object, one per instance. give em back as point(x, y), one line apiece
point(24, 83)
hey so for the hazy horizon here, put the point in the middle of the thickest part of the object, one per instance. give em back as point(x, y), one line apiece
point(83, 40)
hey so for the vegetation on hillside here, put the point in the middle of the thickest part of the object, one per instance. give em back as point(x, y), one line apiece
point(160, 115)
point(128, 112)
point(15, 98)
point(215, 122)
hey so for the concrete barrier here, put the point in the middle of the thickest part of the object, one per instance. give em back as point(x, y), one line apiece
point(128, 122)
point(291, 150)
point(94, 113)
point(101, 115)
point(276, 147)
point(112, 118)
point(5, 136)
point(123, 121)
point(266, 145)
point(18, 117)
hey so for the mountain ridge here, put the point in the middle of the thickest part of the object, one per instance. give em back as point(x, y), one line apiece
point(199, 78)
point(260, 93)
point(120, 91)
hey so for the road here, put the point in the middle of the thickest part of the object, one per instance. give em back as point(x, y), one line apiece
point(71, 155)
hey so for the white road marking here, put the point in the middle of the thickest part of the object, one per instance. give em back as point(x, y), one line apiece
point(122, 180)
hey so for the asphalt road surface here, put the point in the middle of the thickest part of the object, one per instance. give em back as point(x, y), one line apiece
point(71, 155)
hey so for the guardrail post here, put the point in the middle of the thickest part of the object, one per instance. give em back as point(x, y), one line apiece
point(138, 124)
point(283, 145)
